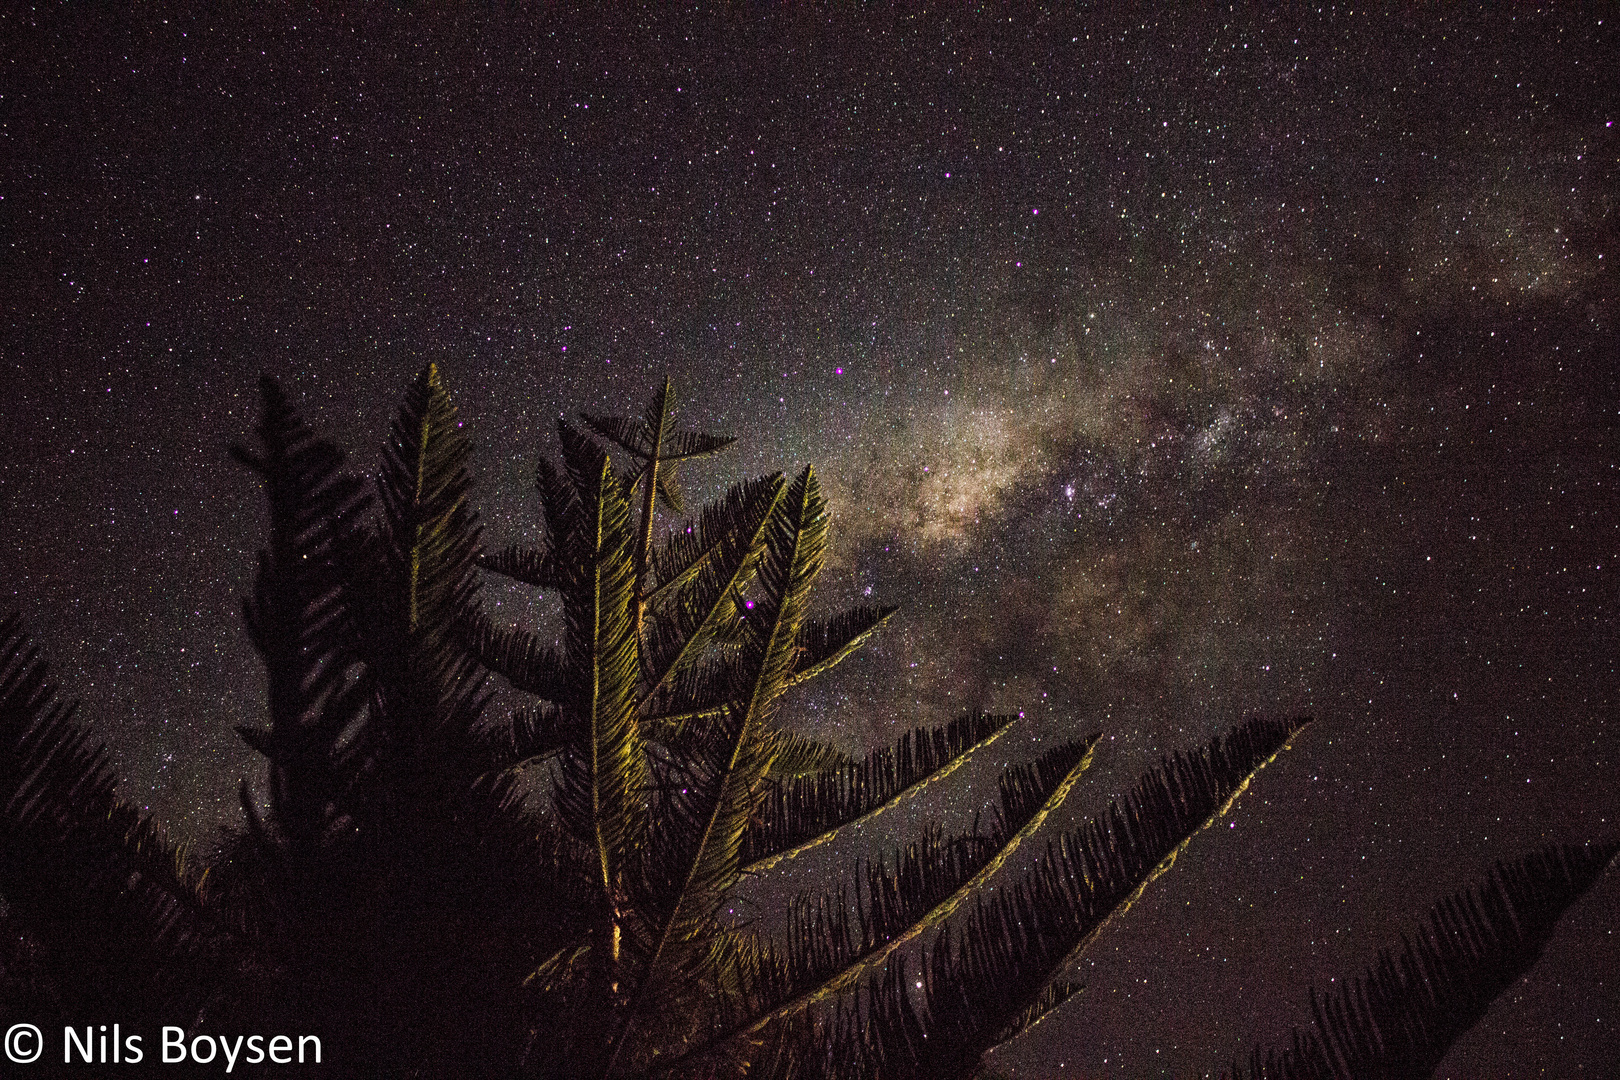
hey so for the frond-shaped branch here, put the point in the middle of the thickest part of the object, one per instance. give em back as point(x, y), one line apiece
point(703, 605)
point(986, 980)
point(532, 566)
point(52, 771)
point(516, 655)
point(825, 642)
point(700, 826)
point(603, 778)
point(654, 444)
point(698, 693)
point(804, 813)
point(831, 950)
point(300, 617)
point(651, 436)
point(429, 527)
point(91, 881)
point(420, 581)
point(793, 756)
point(684, 445)
point(1401, 1018)
point(740, 511)
point(630, 435)
point(529, 734)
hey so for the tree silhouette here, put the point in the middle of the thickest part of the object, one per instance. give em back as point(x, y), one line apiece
point(441, 888)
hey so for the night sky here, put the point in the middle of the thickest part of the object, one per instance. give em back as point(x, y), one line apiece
point(1166, 373)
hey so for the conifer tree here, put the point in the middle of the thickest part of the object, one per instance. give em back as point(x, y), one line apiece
point(442, 888)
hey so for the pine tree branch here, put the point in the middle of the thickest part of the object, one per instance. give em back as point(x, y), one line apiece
point(90, 880)
point(603, 778)
point(794, 756)
point(516, 655)
point(985, 980)
point(1030, 794)
point(807, 812)
point(828, 953)
point(531, 566)
point(528, 735)
point(681, 941)
point(1401, 1018)
point(824, 643)
point(420, 577)
point(686, 551)
point(691, 617)
point(300, 616)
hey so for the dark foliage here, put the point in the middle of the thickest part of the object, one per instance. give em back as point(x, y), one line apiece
point(109, 909)
point(437, 890)
point(1398, 1020)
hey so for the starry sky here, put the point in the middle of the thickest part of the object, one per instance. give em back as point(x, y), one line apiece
point(1166, 372)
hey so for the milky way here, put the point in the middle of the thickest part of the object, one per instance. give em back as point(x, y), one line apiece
point(1165, 374)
